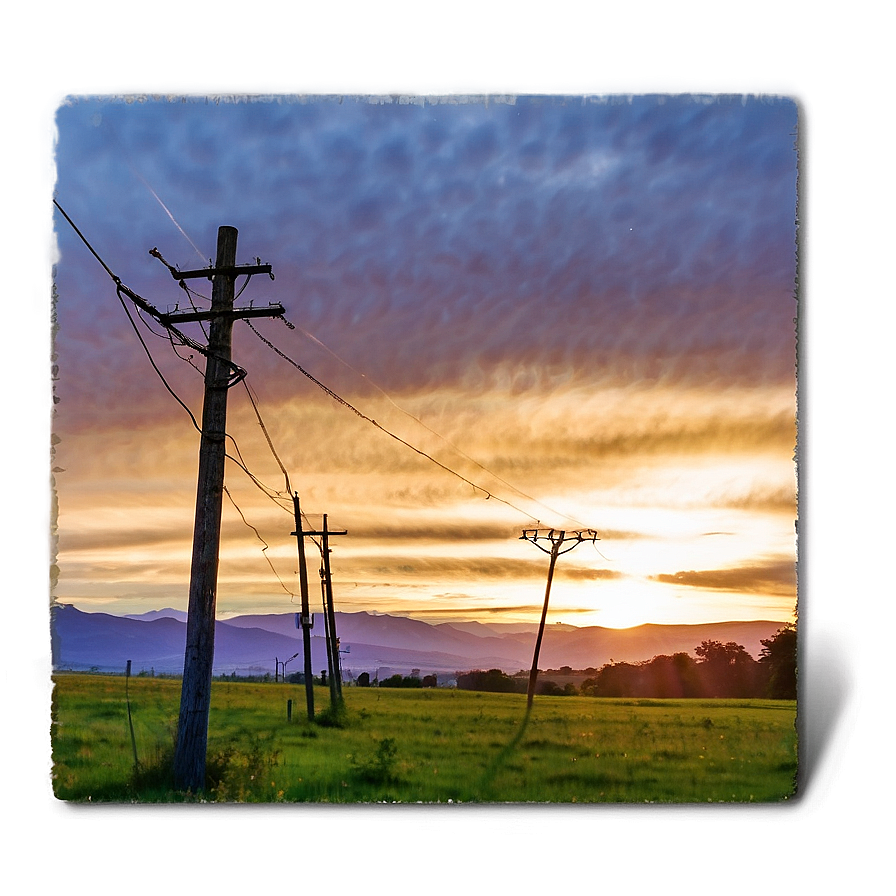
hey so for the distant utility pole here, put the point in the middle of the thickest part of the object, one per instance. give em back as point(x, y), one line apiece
point(306, 609)
point(557, 538)
point(220, 375)
point(329, 616)
point(330, 613)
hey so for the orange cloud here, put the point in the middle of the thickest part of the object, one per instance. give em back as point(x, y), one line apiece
point(776, 578)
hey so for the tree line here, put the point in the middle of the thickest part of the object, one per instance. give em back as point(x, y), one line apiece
point(717, 670)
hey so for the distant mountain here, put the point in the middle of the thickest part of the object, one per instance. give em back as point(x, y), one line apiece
point(370, 643)
point(167, 613)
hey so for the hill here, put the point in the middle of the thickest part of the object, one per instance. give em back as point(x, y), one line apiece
point(252, 644)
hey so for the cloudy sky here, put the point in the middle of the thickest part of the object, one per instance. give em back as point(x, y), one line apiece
point(583, 308)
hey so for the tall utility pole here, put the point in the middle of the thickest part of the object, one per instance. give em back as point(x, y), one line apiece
point(306, 609)
point(332, 639)
point(329, 615)
point(557, 538)
point(220, 375)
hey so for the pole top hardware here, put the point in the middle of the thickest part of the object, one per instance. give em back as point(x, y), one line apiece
point(560, 534)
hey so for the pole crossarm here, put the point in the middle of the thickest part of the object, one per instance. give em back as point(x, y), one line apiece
point(237, 270)
point(274, 309)
point(557, 537)
point(307, 532)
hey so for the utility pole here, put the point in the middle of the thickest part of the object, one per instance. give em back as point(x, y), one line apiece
point(557, 538)
point(329, 615)
point(332, 639)
point(220, 375)
point(306, 610)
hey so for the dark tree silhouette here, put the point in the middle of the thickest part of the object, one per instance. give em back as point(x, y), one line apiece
point(726, 670)
point(493, 680)
point(778, 661)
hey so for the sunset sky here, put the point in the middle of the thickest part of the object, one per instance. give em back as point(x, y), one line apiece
point(584, 306)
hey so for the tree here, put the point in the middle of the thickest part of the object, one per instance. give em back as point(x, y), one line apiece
point(493, 680)
point(778, 662)
point(393, 681)
point(364, 680)
point(612, 680)
point(670, 676)
point(726, 670)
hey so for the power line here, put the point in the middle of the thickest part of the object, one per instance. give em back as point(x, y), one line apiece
point(240, 374)
point(270, 493)
point(182, 339)
point(237, 372)
point(428, 428)
point(267, 436)
point(266, 545)
point(338, 398)
point(266, 490)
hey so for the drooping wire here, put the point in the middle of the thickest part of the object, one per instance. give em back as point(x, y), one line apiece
point(237, 373)
point(429, 429)
point(86, 243)
point(265, 545)
point(253, 401)
point(269, 492)
point(155, 367)
point(182, 339)
point(338, 398)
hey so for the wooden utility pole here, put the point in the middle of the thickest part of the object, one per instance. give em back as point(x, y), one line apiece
point(332, 639)
point(329, 615)
point(220, 375)
point(556, 537)
point(306, 609)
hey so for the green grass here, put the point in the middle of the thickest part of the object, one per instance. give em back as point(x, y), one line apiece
point(423, 746)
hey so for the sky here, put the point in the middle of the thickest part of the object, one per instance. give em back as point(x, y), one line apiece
point(579, 310)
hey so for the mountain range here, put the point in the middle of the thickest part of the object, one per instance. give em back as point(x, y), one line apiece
point(380, 644)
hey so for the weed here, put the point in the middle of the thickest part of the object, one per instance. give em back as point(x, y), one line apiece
point(378, 768)
point(333, 716)
point(242, 776)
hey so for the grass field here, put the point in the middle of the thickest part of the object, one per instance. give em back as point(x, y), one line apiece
point(433, 745)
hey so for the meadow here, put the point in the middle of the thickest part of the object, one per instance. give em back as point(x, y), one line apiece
point(420, 745)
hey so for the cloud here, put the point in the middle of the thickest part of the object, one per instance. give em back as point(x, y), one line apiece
point(398, 567)
point(774, 577)
point(73, 541)
point(588, 298)
point(661, 236)
point(381, 529)
point(585, 574)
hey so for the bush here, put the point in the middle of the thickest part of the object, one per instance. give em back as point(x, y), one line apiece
point(494, 681)
point(378, 768)
point(399, 681)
